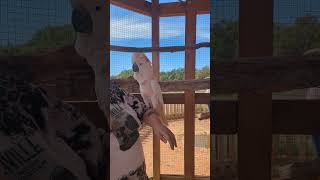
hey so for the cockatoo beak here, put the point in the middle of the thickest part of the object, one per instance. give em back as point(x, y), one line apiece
point(135, 67)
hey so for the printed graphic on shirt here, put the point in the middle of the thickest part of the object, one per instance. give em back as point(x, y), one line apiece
point(124, 127)
point(139, 173)
point(21, 159)
point(125, 112)
point(23, 152)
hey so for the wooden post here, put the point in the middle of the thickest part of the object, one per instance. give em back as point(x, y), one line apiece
point(106, 30)
point(189, 111)
point(255, 108)
point(156, 71)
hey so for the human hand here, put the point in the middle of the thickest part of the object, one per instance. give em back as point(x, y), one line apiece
point(160, 130)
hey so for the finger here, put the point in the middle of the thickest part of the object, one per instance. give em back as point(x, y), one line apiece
point(170, 141)
point(159, 136)
point(163, 139)
point(172, 137)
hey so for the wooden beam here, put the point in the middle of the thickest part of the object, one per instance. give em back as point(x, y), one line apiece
point(158, 49)
point(139, 6)
point(189, 111)
point(132, 86)
point(179, 9)
point(156, 70)
point(288, 117)
point(200, 98)
point(274, 74)
point(255, 108)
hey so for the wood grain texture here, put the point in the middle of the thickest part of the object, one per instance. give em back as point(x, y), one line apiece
point(179, 9)
point(158, 49)
point(274, 74)
point(139, 6)
point(255, 107)
point(156, 70)
point(189, 111)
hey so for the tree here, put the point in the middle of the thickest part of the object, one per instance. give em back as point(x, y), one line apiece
point(295, 39)
point(174, 74)
point(225, 39)
point(123, 74)
point(47, 39)
point(203, 73)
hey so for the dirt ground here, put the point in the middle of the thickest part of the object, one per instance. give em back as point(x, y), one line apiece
point(172, 162)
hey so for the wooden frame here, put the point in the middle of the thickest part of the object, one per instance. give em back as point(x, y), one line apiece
point(165, 9)
point(255, 107)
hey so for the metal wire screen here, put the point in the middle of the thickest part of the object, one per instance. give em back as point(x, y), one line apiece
point(296, 31)
point(130, 29)
point(225, 17)
point(27, 26)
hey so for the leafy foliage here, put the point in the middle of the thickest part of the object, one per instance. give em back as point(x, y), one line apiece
point(175, 74)
point(289, 39)
point(47, 39)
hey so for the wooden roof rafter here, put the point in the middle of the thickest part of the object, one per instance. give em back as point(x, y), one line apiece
point(139, 6)
point(179, 9)
point(165, 9)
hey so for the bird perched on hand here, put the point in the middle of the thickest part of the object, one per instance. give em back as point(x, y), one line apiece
point(149, 86)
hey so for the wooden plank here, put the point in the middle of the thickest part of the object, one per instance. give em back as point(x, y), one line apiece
point(274, 74)
point(179, 9)
point(289, 116)
point(255, 108)
point(243, 74)
point(159, 49)
point(156, 71)
point(104, 121)
point(172, 98)
point(139, 6)
point(189, 111)
point(132, 85)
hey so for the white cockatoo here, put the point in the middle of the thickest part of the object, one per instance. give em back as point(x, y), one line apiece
point(149, 86)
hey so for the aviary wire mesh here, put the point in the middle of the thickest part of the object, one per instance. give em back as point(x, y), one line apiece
point(225, 33)
point(296, 31)
point(34, 26)
point(225, 17)
point(131, 29)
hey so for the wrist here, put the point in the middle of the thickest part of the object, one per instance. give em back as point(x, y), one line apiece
point(151, 118)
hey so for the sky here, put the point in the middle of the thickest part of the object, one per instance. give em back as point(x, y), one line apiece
point(134, 30)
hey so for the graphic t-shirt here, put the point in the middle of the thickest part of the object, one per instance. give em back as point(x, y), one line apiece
point(126, 152)
point(43, 138)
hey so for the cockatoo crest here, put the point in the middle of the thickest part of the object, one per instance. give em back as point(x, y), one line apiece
point(142, 67)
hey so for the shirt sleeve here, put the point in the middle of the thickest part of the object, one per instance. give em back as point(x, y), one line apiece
point(126, 116)
point(119, 96)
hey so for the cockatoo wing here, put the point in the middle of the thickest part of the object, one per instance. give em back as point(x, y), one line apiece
point(157, 100)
